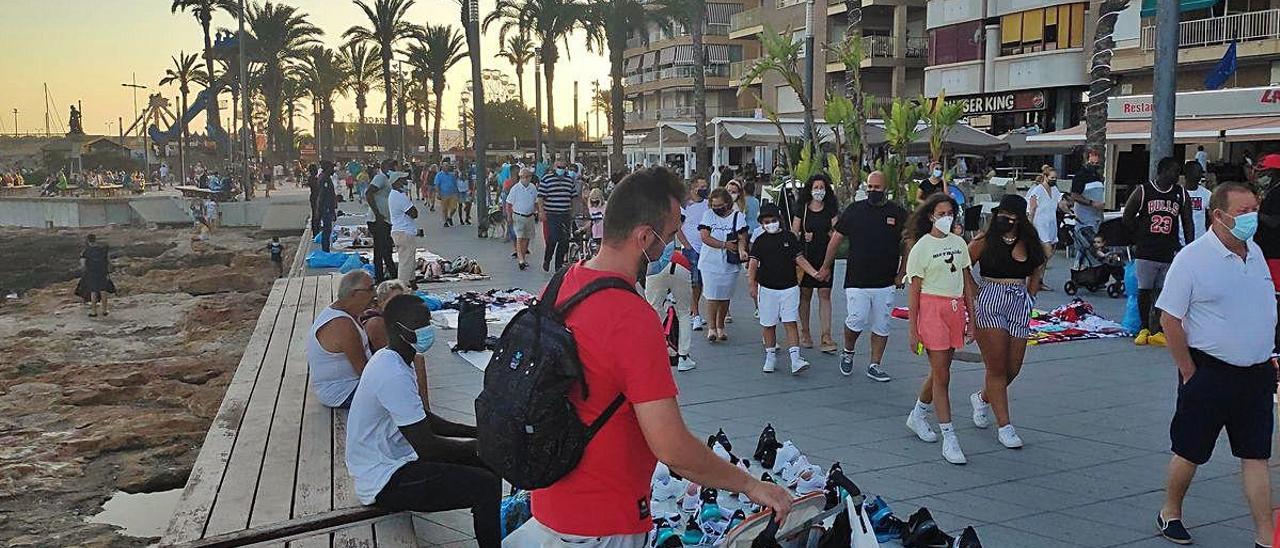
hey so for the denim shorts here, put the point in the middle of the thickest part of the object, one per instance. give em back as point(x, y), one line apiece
point(695, 275)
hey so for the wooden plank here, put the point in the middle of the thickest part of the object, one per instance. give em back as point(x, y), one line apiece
point(354, 537)
point(313, 490)
point(192, 511)
point(273, 500)
point(293, 529)
point(344, 489)
point(235, 498)
point(396, 532)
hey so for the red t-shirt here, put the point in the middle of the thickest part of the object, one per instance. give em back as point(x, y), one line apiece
point(623, 350)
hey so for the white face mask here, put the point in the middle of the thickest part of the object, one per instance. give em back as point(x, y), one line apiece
point(819, 195)
point(773, 227)
point(943, 224)
point(734, 195)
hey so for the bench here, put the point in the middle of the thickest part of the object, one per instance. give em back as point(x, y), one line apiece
point(15, 190)
point(104, 190)
point(271, 470)
point(196, 192)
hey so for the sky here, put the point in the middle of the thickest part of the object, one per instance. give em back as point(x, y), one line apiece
point(84, 50)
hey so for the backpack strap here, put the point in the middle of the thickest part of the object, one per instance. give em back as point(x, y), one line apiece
point(552, 292)
point(607, 282)
point(604, 417)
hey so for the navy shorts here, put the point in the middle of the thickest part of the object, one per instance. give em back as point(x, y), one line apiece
point(695, 275)
point(1220, 395)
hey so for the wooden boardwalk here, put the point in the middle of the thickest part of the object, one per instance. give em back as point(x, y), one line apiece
point(273, 457)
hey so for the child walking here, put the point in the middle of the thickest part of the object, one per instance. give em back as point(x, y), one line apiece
point(771, 274)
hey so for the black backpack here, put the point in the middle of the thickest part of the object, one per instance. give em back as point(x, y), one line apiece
point(529, 432)
point(472, 328)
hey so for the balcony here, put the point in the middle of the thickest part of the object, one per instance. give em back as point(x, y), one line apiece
point(675, 113)
point(875, 47)
point(674, 73)
point(746, 23)
point(1242, 27)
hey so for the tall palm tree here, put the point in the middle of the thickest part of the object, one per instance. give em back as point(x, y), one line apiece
point(548, 22)
point(387, 25)
point(518, 50)
point(203, 11)
point(1101, 83)
point(365, 63)
point(616, 19)
point(324, 75)
point(184, 72)
point(291, 92)
point(692, 15)
point(281, 36)
point(438, 49)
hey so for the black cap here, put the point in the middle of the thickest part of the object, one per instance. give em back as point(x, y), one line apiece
point(769, 210)
point(1013, 203)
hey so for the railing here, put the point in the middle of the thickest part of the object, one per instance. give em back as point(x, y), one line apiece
point(675, 113)
point(635, 42)
point(881, 47)
point(1254, 25)
point(746, 19)
point(672, 73)
point(738, 68)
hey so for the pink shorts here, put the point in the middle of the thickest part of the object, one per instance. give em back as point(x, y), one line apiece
point(941, 322)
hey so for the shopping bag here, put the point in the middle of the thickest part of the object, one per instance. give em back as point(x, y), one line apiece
point(514, 511)
point(352, 263)
point(1132, 320)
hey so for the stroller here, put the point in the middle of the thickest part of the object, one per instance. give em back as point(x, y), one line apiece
point(1102, 266)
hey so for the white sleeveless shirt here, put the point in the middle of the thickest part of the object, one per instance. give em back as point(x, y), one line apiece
point(332, 375)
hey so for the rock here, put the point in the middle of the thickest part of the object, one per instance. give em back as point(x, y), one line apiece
point(198, 378)
point(132, 379)
point(220, 283)
point(34, 392)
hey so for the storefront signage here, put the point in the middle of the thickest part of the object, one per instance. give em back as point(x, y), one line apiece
point(1000, 103)
point(1262, 101)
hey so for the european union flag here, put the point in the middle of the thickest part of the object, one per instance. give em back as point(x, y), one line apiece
point(1226, 67)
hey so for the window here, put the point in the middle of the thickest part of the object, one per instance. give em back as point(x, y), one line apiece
point(955, 43)
point(1046, 29)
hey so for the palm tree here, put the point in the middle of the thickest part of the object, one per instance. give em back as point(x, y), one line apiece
point(549, 22)
point(184, 72)
point(324, 75)
point(692, 14)
point(616, 20)
point(281, 35)
point(940, 116)
point(203, 12)
point(1100, 81)
point(387, 25)
point(438, 49)
point(364, 62)
point(291, 92)
point(418, 97)
point(518, 50)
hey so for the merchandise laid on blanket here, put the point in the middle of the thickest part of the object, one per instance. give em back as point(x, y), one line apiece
point(1075, 321)
point(499, 305)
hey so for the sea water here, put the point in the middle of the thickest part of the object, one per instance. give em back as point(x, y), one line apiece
point(139, 514)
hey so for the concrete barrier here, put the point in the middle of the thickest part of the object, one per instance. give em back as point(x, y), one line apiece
point(284, 213)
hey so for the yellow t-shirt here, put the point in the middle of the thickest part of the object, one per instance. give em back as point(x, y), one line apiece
point(940, 264)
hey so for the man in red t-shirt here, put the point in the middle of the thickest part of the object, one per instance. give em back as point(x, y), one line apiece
point(604, 502)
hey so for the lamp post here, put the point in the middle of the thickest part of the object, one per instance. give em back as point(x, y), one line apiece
point(136, 116)
point(808, 72)
point(15, 120)
point(1164, 82)
point(244, 103)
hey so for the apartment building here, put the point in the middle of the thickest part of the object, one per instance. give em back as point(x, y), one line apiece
point(1012, 63)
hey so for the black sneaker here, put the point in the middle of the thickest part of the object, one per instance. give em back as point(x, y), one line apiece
point(723, 439)
point(1173, 530)
point(923, 532)
point(968, 539)
point(846, 363)
point(875, 373)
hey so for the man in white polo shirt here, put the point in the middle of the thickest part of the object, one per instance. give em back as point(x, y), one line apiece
point(523, 199)
point(1220, 317)
point(404, 228)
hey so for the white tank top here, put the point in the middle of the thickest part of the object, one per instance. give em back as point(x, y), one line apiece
point(332, 376)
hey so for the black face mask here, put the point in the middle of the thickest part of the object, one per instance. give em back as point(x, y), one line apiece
point(721, 211)
point(1002, 225)
point(876, 197)
point(703, 193)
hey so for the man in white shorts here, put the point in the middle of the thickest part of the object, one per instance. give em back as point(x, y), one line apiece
point(523, 199)
point(776, 288)
point(874, 267)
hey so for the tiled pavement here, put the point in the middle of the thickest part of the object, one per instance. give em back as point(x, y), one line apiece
point(1094, 416)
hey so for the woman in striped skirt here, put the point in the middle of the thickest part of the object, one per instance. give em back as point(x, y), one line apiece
point(1011, 263)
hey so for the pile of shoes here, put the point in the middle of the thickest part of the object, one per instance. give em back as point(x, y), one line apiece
point(687, 514)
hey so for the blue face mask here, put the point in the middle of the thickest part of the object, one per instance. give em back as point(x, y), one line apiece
point(1246, 226)
point(560, 171)
point(424, 337)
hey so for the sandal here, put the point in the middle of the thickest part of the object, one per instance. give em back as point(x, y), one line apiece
point(828, 346)
point(711, 336)
point(806, 342)
point(723, 337)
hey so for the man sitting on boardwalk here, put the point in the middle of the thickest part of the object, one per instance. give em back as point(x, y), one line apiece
point(404, 458)
point(338, 347)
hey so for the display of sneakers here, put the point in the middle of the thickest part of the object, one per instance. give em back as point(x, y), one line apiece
point(787, 454)
point(811, 480)
point(790, 473)
point(697, 323)
point(723, 438)
point(767, 447)
point(981, 411)
point(690, 500)
point(668, 489)
point(685, 363)
point(770, 362)
point(875, 373)
point(692, 535)
point(918, 422)
point(951, 449)
point(923, 532)
point(887, 525)
point(967, 539)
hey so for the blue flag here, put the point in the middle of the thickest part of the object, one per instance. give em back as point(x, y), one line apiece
point(1226, 67)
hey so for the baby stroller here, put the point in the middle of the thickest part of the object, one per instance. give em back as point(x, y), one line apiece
point(1102, 265)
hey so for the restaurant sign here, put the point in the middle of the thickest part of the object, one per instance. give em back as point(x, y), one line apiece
point(1001, 103)
point(1259, 101)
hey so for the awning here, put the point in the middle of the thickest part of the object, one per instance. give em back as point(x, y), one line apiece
point(1149, 6)
point(719, 14)
point(649, 58)
point(961, 139)
point(1018, 146)
point(1186, 131)
point(718, 54)
point(632, 64)
point(674, 134)
point(683, 55)
point(667, 56)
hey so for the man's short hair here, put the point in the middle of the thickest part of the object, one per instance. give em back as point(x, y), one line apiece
point(404, 309)
point(353, 281)
point(1222, 194)
point(1168, 169)
point(642, 198)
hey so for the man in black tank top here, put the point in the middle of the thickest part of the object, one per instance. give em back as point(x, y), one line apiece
point(1156, 212)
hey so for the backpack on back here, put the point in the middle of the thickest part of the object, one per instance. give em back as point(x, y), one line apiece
point(529, 432)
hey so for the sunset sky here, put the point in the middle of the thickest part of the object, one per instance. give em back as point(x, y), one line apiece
point(84, 50)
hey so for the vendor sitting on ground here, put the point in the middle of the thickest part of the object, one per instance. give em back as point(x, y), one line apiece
point(338, 347)
point(376, 328)
point(403, 457)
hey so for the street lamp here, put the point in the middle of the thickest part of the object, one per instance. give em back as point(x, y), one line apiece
point(136, 117)
point(15, 121)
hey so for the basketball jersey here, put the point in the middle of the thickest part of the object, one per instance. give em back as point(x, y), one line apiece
point(1159, 223)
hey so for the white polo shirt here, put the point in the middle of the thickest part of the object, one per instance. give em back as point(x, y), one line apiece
point(399, 204)
point(386, 399)
point(523, 198)
point(1227, 305)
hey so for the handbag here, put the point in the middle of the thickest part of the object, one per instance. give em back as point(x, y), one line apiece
point(733, 258)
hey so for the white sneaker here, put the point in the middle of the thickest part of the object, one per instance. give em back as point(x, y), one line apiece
point(918, 422)
point(697, 323)
point(798, 365)
point(981, 411)
point(1009, 437)
point(951, 450)
point(686, 364)
point(770, 361)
